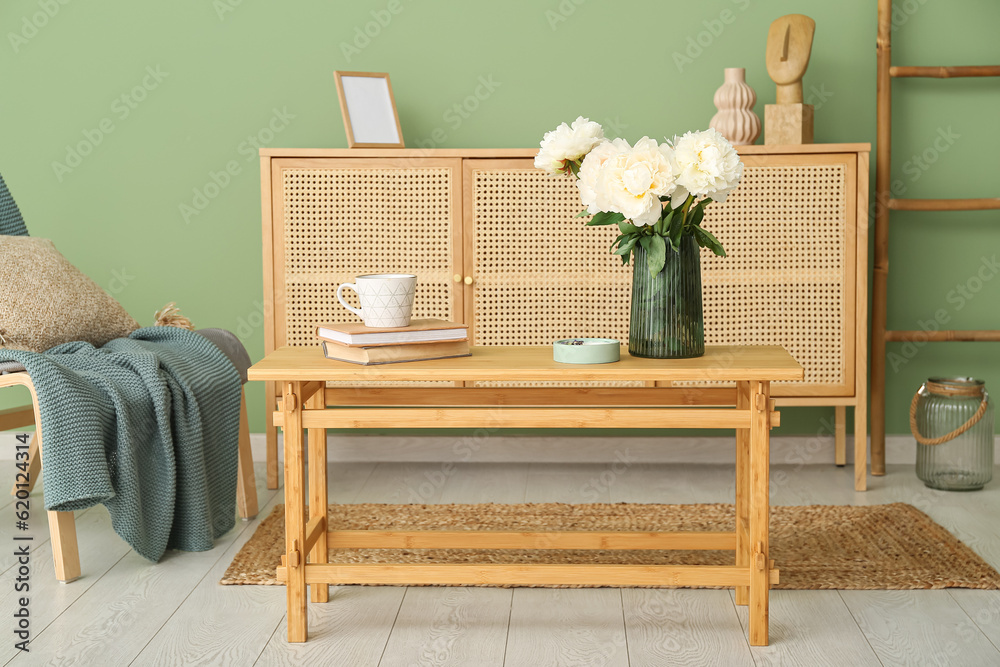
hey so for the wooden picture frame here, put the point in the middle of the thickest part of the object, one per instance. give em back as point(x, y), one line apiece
point(369, 110)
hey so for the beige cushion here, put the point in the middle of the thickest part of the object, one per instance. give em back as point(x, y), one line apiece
point(45, 300)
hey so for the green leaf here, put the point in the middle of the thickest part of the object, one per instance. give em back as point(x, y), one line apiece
point(697, 215)
point(656, 254)
point(582, 214)
point(627, 246)
point(663, 224)
point(627, 227)
point(617, 241)
point(605, 218)
point(706, 239)
point(675, 232)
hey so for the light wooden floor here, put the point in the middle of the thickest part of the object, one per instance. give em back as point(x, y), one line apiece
point(125, 611)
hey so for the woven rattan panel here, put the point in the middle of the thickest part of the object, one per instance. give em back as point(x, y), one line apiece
point(540, 274)
point(341, 223)
point(783, 280)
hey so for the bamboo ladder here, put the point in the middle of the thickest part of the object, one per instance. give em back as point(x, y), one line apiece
point(884, 203)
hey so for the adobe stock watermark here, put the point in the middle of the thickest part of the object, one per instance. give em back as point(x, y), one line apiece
point(225, 7)
point(957, 297)
point(364, 34)
point(698, 43)
point(915, 168)
point(562, 12)
point(120, 279)
point(596, 486)
point(219, 180)
point(459, 112)
point(121, 109)
point(32, 23)
point(902, 10)
point(427, 485)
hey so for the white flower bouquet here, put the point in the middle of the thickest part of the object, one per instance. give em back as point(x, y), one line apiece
point(655, 193)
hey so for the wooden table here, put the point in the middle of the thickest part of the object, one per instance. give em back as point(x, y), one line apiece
point(308, 403)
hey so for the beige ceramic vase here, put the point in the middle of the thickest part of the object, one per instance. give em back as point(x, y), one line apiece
point(735, 119)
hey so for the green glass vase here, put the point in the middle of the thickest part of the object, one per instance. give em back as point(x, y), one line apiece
point(666, 319)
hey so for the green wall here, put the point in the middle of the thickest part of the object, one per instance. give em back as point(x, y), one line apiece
point(161, 96)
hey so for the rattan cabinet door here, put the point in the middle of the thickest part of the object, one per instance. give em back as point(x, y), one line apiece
point(335, 219)
point(790, 276)
point(538, 273)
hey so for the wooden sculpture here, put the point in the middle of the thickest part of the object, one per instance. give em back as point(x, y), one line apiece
point(789, 44)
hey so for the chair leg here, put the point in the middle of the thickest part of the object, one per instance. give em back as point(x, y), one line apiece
point(65, 551)
point(246, 481)
point(34, 466)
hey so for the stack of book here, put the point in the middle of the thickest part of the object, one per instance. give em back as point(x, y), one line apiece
point(423, 339)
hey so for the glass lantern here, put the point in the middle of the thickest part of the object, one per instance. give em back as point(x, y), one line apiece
point(952, 421)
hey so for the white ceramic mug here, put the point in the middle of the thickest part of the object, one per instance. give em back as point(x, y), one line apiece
point(386, 299)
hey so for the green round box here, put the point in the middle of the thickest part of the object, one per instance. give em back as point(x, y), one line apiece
point(589, 351)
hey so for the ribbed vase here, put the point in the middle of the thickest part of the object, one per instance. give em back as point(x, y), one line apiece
point(666, 320)
point(735, 99)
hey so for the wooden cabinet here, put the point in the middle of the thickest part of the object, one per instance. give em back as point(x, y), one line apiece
point(495, 243)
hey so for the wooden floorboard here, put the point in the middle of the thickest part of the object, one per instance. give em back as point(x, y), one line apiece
point(450, 626)
point(100, 550)
point(113, 619)
point(220, 625)
point(352, 629)
point(919, 628)
point(983, 609)
point(683, 627)
point(810, 628)
point(566, 626)
point(125, 610)
point(129, 603)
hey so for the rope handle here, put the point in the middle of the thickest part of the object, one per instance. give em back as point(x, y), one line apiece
point(973, 420)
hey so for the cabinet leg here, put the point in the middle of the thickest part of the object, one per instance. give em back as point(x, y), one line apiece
point(759, 512)
point(861, 448)
point(840, 434)
point(742, 492)
point(295, 520)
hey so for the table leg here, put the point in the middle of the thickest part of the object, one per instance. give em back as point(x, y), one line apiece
point(742, 492)
point(318, 493)
point(295, 510)
point(759, 510)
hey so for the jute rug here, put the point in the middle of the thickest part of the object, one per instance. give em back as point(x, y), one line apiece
point(816, 547)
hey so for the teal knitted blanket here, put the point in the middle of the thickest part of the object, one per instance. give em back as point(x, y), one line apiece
point(147, 425)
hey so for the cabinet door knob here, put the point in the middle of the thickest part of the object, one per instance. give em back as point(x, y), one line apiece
point(468, 280)
point(458, 277)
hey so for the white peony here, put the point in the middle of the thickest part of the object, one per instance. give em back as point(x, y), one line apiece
point(632, 181)
point(590, 170)
point(568, 144)
point(706, 165)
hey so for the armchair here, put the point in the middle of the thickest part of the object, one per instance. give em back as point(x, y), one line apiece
point(61, 524)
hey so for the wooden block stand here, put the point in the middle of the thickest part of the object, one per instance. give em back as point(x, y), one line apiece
point(306, 403)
